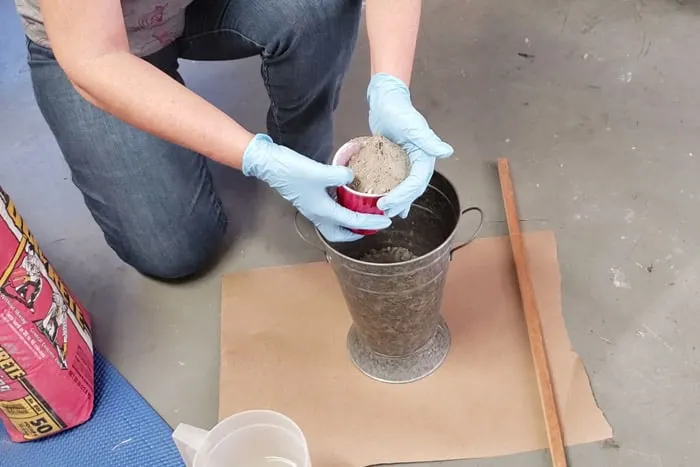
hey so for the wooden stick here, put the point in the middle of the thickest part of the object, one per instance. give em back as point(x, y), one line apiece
point(532, 318)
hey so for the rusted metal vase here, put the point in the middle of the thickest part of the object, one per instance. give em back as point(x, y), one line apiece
point(393, 284)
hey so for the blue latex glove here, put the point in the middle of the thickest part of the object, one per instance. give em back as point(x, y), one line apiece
point(304, 183)
point(391, 114)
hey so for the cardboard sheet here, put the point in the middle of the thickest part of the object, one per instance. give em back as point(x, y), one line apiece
point(283, 333)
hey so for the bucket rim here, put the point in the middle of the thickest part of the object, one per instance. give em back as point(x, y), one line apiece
point(442, 245)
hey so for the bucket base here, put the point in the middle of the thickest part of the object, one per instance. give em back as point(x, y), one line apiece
point(387, 369)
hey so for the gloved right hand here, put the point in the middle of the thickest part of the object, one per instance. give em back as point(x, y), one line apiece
point(304, 183)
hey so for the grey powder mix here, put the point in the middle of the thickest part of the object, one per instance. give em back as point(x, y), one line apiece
point(379, 166)
point(388, 255)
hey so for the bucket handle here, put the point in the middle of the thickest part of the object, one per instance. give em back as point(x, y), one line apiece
point(304, 237)
point(476, 232)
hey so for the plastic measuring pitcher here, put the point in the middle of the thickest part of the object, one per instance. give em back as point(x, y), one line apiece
point(255, 438)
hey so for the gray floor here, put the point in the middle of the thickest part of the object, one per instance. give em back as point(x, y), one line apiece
point(600, 121)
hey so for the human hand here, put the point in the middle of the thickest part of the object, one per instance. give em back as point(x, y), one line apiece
point(391, 114)
point(304, 182)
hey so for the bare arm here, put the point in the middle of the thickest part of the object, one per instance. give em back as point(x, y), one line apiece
point(392, 26)
point(88, 38)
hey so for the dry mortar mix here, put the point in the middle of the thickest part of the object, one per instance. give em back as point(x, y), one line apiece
point(46, 353)
point(379, 166)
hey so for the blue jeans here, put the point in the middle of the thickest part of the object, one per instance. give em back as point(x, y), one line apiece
point(155, 201)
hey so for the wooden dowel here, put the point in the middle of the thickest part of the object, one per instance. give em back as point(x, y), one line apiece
point(532, 318)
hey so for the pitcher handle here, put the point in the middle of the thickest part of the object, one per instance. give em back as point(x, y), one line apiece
point(476, 232)
point(188, 440)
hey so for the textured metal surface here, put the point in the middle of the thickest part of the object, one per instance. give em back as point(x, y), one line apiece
point(418, 365)
point(395, 307)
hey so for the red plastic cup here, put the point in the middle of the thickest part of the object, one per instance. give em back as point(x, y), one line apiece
point(349, 198)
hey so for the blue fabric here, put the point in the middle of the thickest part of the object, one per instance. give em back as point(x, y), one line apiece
point(124, 431)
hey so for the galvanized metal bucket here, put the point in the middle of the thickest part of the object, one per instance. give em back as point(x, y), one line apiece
point(398, 334)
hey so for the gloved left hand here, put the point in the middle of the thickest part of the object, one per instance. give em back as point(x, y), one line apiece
point(391, 114)
point(304, 182)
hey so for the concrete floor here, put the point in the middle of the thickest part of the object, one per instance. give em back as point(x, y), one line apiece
point(600, 121)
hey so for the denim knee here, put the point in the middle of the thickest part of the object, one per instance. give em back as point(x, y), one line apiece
point(189, 249)
point(304, 63)
point(153, 200)
point(325, 29)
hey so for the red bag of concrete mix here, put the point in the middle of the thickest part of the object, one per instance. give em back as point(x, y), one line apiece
point(46, 354)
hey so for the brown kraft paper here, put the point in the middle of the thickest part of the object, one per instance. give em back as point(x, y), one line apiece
point(283, 333)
